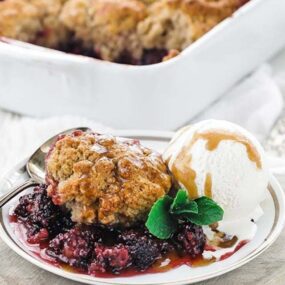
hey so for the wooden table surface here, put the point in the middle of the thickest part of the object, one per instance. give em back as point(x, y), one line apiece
point(267, 269)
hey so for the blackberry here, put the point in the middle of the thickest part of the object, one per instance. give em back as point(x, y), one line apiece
point(109, 259)
point(74, 247)
point(190, 239)
point(40, 216)
point(144, 249)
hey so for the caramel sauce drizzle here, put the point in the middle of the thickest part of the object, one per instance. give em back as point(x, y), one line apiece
point(203, 262)
point(214, 138)
point(221, 239)
point(183, 172)
point(208, 186)
point(228, 241)
point(181, 167)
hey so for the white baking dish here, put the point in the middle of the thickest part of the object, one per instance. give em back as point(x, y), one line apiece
point(43, 82)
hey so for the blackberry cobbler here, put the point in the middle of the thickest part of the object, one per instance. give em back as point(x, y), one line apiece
point(111, 206)
point(124, 31)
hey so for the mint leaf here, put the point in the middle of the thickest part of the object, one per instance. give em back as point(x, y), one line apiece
point(190, 207)
point(209, 212)
point(182, 204)
point(180, 200)
point(160, 222)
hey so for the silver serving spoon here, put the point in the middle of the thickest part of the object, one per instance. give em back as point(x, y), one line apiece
point(36, 167)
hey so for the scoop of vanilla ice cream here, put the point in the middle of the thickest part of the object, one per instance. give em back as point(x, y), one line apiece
point(223, 161)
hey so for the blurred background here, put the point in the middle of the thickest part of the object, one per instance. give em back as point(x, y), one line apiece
point(233, 70)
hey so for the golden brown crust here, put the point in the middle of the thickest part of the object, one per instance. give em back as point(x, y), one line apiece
point(53, 32)
point(35, 21)
point(105, 179)
point(108, 25)
point(165, 27)
point(175, 24)
point(19, 20)
point(205, 14)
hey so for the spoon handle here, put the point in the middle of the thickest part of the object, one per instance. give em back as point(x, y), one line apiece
point(12, 193)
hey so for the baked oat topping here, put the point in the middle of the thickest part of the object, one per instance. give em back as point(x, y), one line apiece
point(105, 179)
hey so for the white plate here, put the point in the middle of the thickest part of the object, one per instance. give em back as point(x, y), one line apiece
point(269, 228)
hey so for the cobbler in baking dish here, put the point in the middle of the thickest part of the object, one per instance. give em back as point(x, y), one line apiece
point(124, 31)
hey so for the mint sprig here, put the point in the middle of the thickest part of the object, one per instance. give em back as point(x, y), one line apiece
point(167, 212)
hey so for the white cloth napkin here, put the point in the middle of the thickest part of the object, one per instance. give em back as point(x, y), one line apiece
point(255, 103)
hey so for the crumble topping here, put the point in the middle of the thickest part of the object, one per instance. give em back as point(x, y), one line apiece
point(109, 26)
point(105, 179)
point(34, 21)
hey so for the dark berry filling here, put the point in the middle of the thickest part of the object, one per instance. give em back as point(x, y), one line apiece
point(190, 239)
point(42, 219)
point(143, 248)
point(97, 248)
point(149, 56)
point(109, 259)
